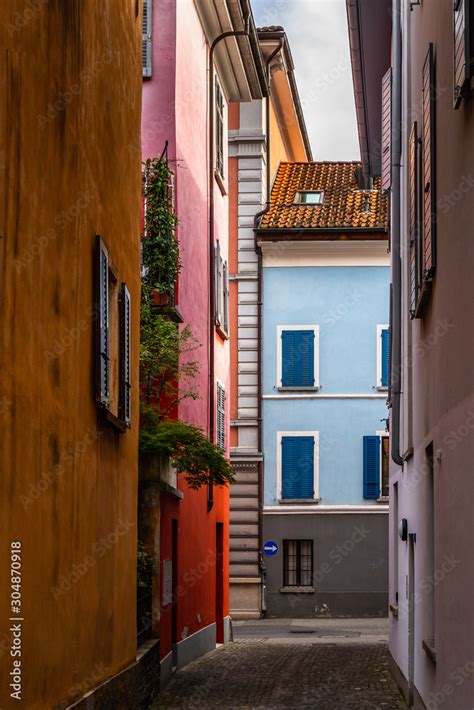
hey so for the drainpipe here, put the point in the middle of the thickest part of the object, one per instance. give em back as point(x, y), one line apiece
point(258, 216)
point(218, 39)
point(396, 314)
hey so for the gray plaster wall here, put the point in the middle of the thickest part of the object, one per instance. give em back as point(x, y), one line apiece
point(350, 563)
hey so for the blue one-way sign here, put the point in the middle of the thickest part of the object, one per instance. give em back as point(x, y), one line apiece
point(270, 548)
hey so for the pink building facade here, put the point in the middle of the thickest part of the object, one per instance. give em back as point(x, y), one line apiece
point(186, 91)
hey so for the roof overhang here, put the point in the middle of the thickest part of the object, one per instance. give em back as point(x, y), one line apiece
point(239, 60)
point(369, 24)
point(336, 234)
point(284, 82)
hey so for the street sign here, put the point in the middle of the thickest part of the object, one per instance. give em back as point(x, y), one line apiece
point(270, 548)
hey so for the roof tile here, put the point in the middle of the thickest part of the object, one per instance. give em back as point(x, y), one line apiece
point(344, 204)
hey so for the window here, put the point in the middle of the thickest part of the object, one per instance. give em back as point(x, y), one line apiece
point(313, 197)
point(298, 356)
point(383, 356)
point(376, 466)
point(222, 293)
point(297, 563)
point(112, 320)
point(297, 466)
point(220, 416)
point(219, 131)
point(146, 38)
point(463, 49)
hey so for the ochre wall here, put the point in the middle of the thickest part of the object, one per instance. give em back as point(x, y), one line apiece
point(70, 100)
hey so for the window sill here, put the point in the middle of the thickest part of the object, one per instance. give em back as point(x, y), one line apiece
point(429, 648)
point(382, 388)
point(220, 331)
point(298, 501)
point(172, 313)
point(297, 590)
point(298, 389)
point(383, 500)
point(394, 610)
point(115, 421)
point(221, 182)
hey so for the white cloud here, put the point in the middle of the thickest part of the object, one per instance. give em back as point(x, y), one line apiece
point(318, 37)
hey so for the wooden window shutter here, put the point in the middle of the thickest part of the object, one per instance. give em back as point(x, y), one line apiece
point(371, 447)
point(297, 354)
point(219, 314)
point(387, 130)
point(226, 297)
point(125, 378)
point(297, 467)
point(463, 48)
point(102, 322)
point(220, 428)
point(414, 213)
point(147, 38)
point(428, 165)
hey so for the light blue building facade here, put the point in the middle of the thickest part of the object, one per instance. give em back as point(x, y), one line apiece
point(325, 358)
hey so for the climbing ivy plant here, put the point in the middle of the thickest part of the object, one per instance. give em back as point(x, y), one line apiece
point(159, 243)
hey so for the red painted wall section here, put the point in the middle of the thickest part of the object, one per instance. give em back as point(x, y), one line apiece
point(175, 109)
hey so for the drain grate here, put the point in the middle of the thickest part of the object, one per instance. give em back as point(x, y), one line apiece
point(302, 631)
point(326, 632)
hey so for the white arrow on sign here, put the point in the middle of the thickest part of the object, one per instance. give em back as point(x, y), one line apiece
point(271, 548)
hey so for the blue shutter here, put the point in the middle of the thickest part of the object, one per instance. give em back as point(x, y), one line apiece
point(385, 356)
point(297, 358)
point(297, 467)
point(372, 467)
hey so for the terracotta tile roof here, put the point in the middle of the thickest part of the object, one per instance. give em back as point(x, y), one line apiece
point(271, 28)
point(344, 205)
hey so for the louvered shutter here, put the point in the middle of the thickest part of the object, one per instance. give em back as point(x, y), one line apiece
point(371, 467)
point(385, 345)
point(428, 166)
point(226, 298)
point(414, 203)
point(220, 416)
point(125, 379)
point(463, 48)
point(219, 286)
point(147, 38)
point(387, 130)
point(102, 322)
point(297, 467)
point(297, 358)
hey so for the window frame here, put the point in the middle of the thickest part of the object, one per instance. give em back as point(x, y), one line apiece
point(298, 571)
point(309, 192)
point(280, 329)
point(380, 327)
point(279, 491)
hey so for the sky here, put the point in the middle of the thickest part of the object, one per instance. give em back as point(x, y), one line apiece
point(318, 37)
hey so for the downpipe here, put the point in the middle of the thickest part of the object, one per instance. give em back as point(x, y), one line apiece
point(396, 310)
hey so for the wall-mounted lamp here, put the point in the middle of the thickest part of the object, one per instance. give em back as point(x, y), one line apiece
point(403, 529)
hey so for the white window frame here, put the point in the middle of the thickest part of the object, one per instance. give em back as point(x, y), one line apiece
point(279, 374)
point(315, 435)
point(381, 434)
point(309, 192)
point(380, 328)
point(217, 118)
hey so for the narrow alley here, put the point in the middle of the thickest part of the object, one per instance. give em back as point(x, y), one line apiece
point(292, 663)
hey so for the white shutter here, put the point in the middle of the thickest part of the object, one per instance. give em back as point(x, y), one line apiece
point(220, 416)
point(387, 130)
point(146, 38)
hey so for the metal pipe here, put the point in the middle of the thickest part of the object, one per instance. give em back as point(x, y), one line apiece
point(396, 310)
point(217, 40)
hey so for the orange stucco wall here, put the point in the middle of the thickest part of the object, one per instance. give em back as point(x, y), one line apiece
point(70, 169)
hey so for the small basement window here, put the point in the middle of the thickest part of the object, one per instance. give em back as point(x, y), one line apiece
point(312, 197)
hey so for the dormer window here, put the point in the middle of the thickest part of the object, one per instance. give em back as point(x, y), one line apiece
point(309, 197)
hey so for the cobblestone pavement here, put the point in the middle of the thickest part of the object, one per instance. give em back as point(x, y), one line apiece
point(336, 673)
